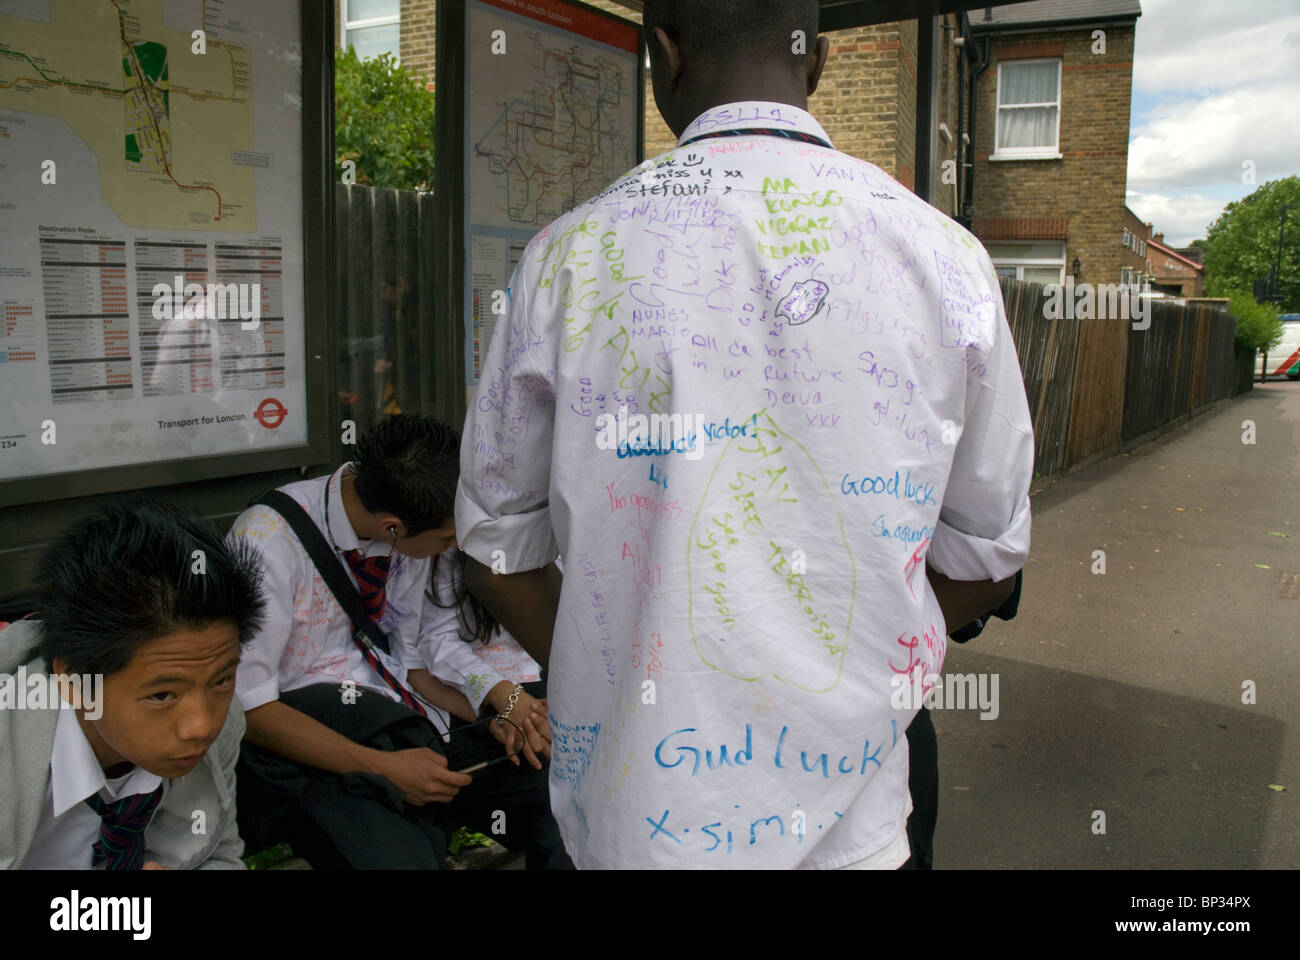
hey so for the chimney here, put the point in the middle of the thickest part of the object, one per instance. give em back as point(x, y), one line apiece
point(1159, 238)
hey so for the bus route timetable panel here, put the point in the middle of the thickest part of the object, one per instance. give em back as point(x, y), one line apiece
point(151, 254)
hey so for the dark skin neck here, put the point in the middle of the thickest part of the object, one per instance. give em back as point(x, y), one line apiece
point(685, 85)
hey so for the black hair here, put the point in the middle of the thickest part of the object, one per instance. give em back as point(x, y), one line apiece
point(750, 31)
point(114, 581)
point(484, 625)
point(409, 466)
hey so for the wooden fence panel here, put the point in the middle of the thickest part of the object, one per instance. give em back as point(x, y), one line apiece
point(1046, 348)
point(391, 357)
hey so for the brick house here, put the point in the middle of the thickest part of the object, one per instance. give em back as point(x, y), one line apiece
point(1134, 266)
point(1172, 272)
point(1051, 141)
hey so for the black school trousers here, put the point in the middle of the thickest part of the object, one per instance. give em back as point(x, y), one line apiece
point(360, 821)
point(923, 782)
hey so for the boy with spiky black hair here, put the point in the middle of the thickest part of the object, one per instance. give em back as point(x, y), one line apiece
point(120, 724)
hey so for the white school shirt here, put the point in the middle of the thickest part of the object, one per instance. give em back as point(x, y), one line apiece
point(306, 637)
point(472, 668)
point(69, 828)
point(743, 587)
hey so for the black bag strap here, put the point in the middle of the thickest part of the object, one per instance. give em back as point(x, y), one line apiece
point(327, 563)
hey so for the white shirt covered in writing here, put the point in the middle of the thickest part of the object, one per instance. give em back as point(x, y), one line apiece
point(832, 401)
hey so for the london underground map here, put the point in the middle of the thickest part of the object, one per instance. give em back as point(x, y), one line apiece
point(146, 146)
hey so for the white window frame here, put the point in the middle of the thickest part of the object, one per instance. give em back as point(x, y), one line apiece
point(1019, 263)
point(350, 25)
point(1126, 236)
point(1026, 153)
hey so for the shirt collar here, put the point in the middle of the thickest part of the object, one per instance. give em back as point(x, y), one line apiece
point(344, 537)
point(341, 532)
point(75, 774)
point(753, 113)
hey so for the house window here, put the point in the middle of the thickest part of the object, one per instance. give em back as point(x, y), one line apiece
point(1039, 261)
point(1029, 109)
point(372, 27)
point(1126, 236)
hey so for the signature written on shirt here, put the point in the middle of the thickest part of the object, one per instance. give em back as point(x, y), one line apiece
point(773, 825)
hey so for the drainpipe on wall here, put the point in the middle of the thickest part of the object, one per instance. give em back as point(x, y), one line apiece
point(961, 116)
point(968, 207)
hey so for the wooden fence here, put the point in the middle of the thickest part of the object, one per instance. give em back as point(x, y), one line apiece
point(1096, 386)
point(1182, 364)
point(1048, 349)
point(391, 356)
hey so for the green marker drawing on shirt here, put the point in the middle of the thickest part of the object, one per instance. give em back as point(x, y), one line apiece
point(762, 489)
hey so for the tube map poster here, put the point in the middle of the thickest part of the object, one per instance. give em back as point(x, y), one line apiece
point(151, 284)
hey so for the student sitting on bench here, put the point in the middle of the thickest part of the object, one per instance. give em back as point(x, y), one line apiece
point(120, 722)
point(342, 758)
point(462, 646)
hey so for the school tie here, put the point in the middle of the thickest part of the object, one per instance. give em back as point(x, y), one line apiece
point(121, 830)
point(371, 574)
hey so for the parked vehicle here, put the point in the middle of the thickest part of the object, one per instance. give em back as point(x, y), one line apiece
point(1284, 359)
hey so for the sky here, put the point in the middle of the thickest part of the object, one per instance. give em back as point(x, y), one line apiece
point(1215, 84)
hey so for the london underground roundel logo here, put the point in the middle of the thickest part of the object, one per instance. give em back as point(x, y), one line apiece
point(270, 413)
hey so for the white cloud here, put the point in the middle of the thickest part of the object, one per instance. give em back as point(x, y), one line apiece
point(1199, 47)
point(1181, 219)
point(1204, 142)
point(1214, 85)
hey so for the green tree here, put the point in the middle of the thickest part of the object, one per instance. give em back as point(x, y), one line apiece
point(1259, 325)
point(383, 120)
point(1241, 244)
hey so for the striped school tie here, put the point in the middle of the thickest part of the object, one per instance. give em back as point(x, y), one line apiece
point(121, 830)
point(371, 574)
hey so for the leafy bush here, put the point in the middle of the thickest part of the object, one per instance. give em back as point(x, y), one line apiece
point(1259, 325)
point(383, 120)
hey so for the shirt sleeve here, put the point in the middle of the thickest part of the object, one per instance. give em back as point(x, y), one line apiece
point(502, 503)
point(984, 521)
point(449, 658)
point(284, 589)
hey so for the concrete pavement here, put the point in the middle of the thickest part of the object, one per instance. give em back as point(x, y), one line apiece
point(1122, 692)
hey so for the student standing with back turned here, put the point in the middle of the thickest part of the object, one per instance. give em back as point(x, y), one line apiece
point(765, 402)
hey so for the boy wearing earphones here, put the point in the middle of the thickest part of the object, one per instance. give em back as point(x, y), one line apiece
point(341, 757)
